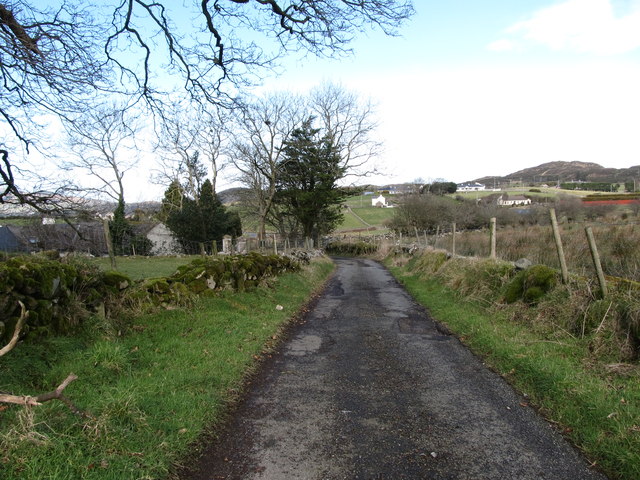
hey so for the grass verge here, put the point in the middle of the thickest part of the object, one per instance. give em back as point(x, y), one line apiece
point(596, 407)
point(149, 394)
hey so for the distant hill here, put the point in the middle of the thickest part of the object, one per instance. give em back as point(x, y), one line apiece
point(232, 195)
point(554, 172)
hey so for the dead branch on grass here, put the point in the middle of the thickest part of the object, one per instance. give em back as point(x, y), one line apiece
point(38, 400)
point(28, 400)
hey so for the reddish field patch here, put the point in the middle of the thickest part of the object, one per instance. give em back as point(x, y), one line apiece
point(611, 202)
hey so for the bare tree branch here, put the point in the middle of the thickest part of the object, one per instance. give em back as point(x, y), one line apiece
point(187, 129)
point(24, 314)
point(263, 126)
point(59, 61)
point(103, 143)
point(350, 123)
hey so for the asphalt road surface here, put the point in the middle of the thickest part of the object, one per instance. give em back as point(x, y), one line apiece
point(370, 387)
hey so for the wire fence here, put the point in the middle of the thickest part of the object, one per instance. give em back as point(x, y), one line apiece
point(617, 244)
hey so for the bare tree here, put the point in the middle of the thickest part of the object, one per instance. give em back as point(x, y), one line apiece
point(263, 126)
point(235, 41)
point(54, 60)
point(350, 123)
point(102, 143)
point(187, 129)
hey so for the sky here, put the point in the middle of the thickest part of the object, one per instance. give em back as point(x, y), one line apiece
point(473, 89)
point(486, 88)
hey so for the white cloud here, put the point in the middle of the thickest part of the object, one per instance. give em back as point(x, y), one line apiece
point(465, 123)
point(582, 26)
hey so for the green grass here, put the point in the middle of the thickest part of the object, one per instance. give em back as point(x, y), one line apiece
point(598, 410)
point(138, 268)
point(373, 215)
point(544, 192)
point(350, 222)
point(361, 207)
point(150, 394)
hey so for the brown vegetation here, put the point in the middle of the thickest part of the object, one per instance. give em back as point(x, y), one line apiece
point(610, 326)
point(617, 244)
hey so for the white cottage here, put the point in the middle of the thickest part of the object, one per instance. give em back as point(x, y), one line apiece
point(379, 202)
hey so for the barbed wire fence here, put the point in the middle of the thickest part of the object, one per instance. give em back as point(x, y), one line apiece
point(615, 244)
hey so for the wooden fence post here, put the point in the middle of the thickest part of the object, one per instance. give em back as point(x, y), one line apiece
point(492, 238)
point(556, 236)
point(596, 261)
point(107, 237)
point(453, 239)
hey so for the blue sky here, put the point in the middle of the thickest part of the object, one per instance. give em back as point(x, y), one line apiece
point(487, 88)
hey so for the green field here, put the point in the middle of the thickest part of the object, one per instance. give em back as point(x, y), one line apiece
point(138, 268)
point(544, 192)
point(363, 215)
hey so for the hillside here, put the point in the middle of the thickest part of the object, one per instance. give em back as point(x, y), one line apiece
point(553, 172)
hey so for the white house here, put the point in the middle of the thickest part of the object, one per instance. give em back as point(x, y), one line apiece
point(470, 187)
point(379, 202)
point(506, 201)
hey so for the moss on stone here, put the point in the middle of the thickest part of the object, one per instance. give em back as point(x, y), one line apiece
point(531, 284)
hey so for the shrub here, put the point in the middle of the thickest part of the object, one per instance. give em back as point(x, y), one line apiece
point(531, 284)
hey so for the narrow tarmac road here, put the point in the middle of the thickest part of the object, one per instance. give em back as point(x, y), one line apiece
point(369, 387)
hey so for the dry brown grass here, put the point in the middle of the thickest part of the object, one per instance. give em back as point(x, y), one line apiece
point(618, 245)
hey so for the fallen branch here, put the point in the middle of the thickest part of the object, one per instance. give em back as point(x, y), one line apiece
point(45, 397)
point(16, 333)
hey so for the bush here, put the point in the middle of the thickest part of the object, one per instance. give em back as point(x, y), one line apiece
point(531, 284)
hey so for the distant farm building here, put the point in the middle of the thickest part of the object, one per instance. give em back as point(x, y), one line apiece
point(470, 187)
point(507, 201)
